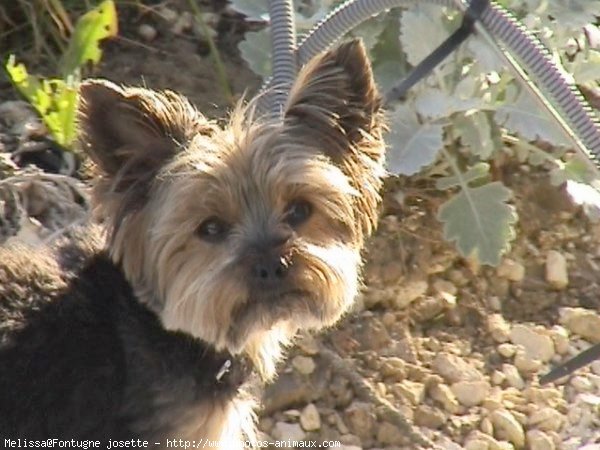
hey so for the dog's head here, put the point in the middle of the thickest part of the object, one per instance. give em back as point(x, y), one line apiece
point(243, 234)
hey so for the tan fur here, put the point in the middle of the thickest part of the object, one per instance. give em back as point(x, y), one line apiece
point(163, 169)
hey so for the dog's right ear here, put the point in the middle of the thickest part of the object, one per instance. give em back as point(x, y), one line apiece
point(130, 133)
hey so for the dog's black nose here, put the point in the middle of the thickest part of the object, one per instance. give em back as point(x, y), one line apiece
point(270, 269)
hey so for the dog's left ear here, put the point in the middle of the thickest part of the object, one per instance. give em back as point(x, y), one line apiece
point(130, 134)
point(334, 105)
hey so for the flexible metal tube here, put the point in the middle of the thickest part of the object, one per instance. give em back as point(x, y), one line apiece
point(583, 125)
point(283, 37)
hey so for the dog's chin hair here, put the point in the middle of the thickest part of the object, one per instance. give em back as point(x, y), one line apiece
point(220, 312)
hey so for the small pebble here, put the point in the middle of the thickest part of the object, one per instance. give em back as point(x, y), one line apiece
point(498, 328)
point(511, 270)
point(310, 419)
point(556, 270)
point(536, 344)
point(360, 419)
point(507, 427)
point(292, 431)
point(410, 390)
point(538, 440)
point(444, 395)
point(470, 393)
point(426, 416)
point(582, 384)
point(147, 32)
point(525, 363)
point(497, 378)
point(453, 368)
point(513, 377)
point(304, 364)
point(546, 419)
point(581, 321)
point(560, 336)
point(388, 434)
point(507, 350)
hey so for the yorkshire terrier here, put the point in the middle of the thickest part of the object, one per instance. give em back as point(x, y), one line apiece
point(221, 243)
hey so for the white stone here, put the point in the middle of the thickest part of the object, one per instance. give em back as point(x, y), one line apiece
point(536, 344)
point(556, 270)
point(511, 270)
point(477, 444)
point(525, 363)
point(582, 384)
point(507, 350)
point(538, 440)
point(444, 395)
point(147, 32)
point(546, 419)
point(453, 368)
point(304, 364)
point(409, 292)
point(498, 328)
point(310, 419)
point(560, 336)
point(470, 393)
point(412, 391)
point(497, 378)
point(507, 427)
point(581, 321)
point(513, 377)
point(285, 431)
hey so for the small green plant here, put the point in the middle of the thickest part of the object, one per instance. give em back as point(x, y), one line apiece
point(456, 123)
point(55, 99)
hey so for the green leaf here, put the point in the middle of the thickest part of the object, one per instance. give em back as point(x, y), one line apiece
point(413, 24)
point(54, 99)
point(370, 30)
point(94, 26)
point(436, 104)
point(574, 13)
point(480, 221)
point(413, 145)
point(476, 172)
point(475, 131)
point(526, 118)
point(587, 70)
point(256, 51)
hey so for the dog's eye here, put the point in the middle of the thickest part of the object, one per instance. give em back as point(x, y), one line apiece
point(213, 230)
point(298, 212)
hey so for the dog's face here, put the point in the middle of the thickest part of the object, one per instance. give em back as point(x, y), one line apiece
point(242, 235)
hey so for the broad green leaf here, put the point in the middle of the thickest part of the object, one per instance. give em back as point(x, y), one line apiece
point(475, 132)
point(256, 51)
point(94, 26)
point(370, 30)
point(476, 172)
point(484, 55)
point(525, 117)
point(480, 221)
point(436, 104)
point(574, 13)
point(421, 31)
point(586, 70)
point(387, 74)
point(413, 145)
point(575, 169)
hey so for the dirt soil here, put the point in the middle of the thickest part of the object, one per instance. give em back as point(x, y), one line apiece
point(439, 349)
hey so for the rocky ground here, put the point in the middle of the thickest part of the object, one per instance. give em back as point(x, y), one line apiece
point(439, 352)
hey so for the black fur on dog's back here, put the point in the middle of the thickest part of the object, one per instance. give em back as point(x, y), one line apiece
point(80, 358)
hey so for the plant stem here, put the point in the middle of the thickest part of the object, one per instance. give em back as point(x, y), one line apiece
point(214, 52)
